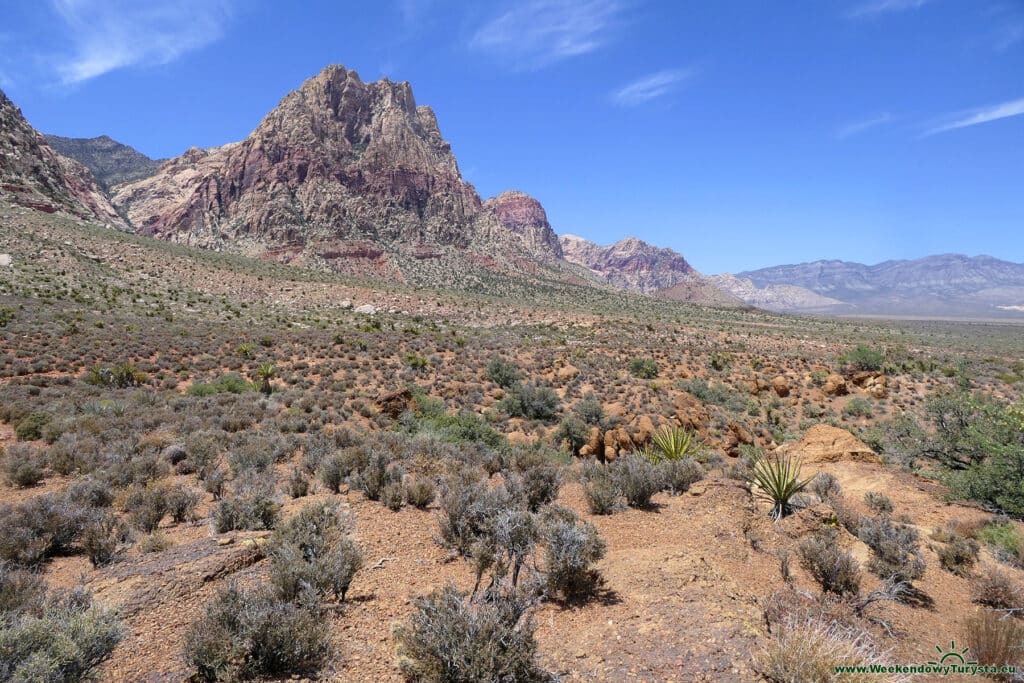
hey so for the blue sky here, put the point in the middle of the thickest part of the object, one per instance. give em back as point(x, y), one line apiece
point(742, 134)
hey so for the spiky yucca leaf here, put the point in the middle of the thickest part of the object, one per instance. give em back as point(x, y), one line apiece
point(673, 443)
point(778, 480)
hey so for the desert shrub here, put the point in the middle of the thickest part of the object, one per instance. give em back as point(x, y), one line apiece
point(66, 640)
point(181, 503)
point(257, 452)
point(146, 507)
point(251, 507)
point(393, 496)
point(22, 465)
point(469, 511)
point(531, 401)
point(317, 448)
point(539, 478)
point(777, 479)
point(570, 550)
point(878, 502)
point(116, 377)
point(502, 372)
point(30, 428)
point(452, 639)
point(229, 383)
point(996, 640)
point(42, 527)
point(590, 410)
point(102, 535)
point(314, 551)
point(863, 358)
point(600, 489)
point(20, 590)
point(214, 481)
point(333, 473)
point(680, 475)
point(807, 650)
point(825, 486)
point(374, 477)
point(419, 492)
point(156, 542)
point(996, 588)
point(253, 634)
point(73, 453)
point(298, 484)
point(1005, 540)
point(895, 548)
point(717, 394)
point(637, 479)
point(573, 431)
point(982, 440)
point(644, 368)
point(831, 566)
point(958, 555)
point(858, 407)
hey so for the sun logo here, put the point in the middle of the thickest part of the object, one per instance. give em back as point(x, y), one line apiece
point(952, 654)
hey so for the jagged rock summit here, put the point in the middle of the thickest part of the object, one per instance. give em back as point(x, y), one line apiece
point(340, 169)
point(34, 175)
point(629, 263)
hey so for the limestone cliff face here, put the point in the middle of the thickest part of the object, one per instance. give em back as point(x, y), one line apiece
point(339, 165)
point(32, 174)
point(630, 263)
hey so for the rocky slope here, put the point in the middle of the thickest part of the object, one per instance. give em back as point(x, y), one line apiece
point(630, 263)
point(32, 174)
point(789, 298)
point(942, 285)
point(110, 161)
point(522, 215)
point(341, 170)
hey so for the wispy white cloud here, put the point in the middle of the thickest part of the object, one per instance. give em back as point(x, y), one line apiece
point(537, 33)
point(873, 8)
point(111, 34)
point(650, 87)
point(855, 127)
point(980, 115)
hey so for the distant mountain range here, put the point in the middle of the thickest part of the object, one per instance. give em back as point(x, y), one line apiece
point(943, 285)
point(356, 177)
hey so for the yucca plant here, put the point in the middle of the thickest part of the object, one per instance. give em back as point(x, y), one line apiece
point(263, 374)
point(778, 480)
point(672, 443)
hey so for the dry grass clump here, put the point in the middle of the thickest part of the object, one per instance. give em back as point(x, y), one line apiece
point(806, 649)
point(996, 639)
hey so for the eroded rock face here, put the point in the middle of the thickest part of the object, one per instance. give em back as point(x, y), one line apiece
point(32, 174)
point(827, 444)
point(523, 216)
point(338, 163)
point(630, 263)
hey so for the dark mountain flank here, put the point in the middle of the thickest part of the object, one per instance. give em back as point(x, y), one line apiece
point(110, 161)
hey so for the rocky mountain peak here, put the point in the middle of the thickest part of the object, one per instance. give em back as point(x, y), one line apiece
point(630, 263)
point(338, 160)
point(522, 215)
point(33, 174)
